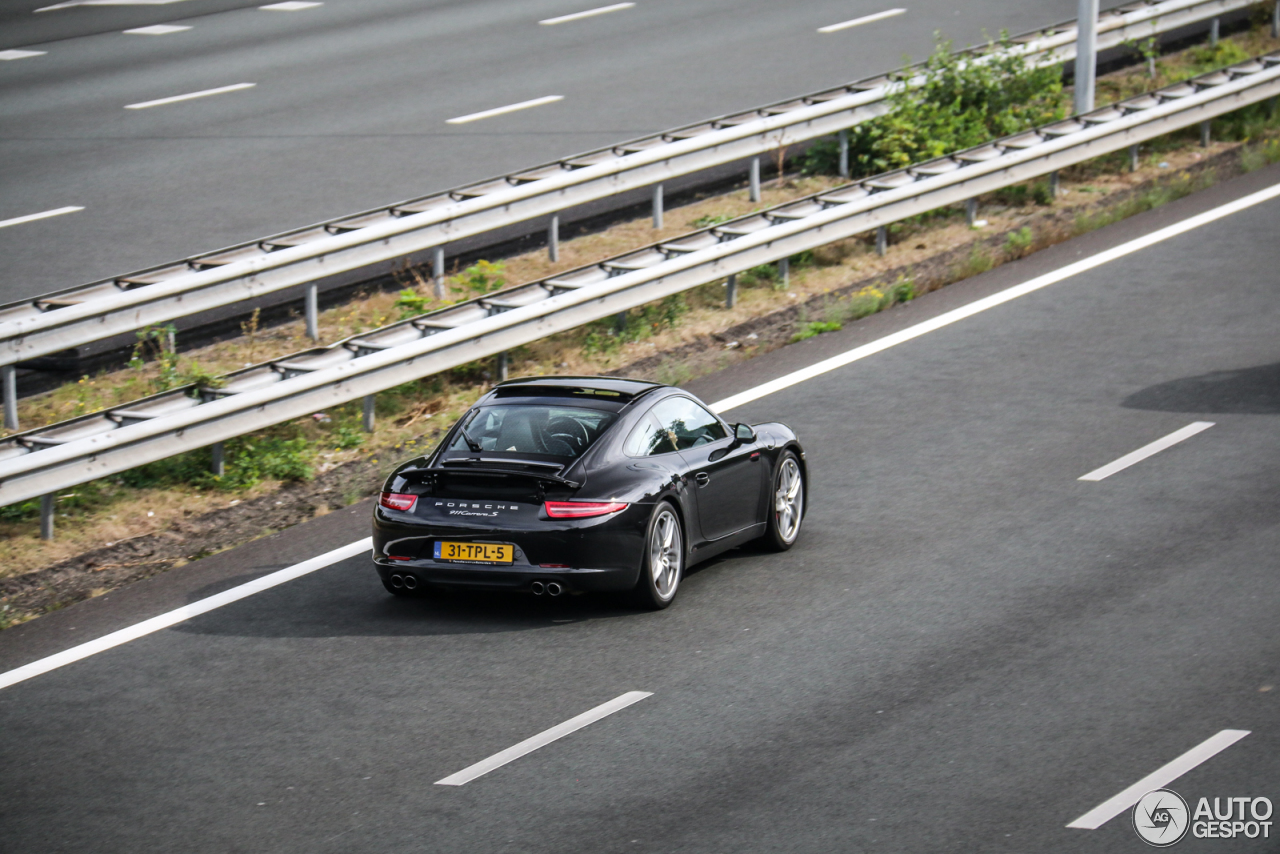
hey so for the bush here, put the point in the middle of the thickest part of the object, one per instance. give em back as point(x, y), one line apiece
point(960, 104)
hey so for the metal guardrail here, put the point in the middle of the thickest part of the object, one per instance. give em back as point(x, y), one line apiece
point(43, 461)
point(123, 304)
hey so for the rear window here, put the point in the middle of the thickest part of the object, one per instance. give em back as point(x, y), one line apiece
point(557, 431)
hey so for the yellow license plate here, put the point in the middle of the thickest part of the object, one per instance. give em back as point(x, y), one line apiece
point(475, 552)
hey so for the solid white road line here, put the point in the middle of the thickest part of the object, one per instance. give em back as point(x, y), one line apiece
point(590, 13)
point(866, 19)
point(510, 108)
point(19, 220)
point(156, 30)
point(542, 739)
point(1008, 295)
point(186, 612)
point(291, 6)
point(10, 55)
point(1109, 809)
point(1148, 450)
point(204, 93)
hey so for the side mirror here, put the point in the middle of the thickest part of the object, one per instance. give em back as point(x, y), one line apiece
point(742, 433)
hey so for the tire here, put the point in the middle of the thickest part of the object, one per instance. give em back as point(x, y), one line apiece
point(786, 504)
point(662, 564)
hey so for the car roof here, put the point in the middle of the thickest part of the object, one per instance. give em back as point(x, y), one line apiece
point(618, 389)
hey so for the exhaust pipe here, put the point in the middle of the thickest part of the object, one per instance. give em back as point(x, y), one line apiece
point(397, 581)
point(554, 588)
point(538, 588)
point(410, 582)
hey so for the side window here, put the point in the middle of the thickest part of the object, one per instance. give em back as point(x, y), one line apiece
point(646, 440)
point(687, 423)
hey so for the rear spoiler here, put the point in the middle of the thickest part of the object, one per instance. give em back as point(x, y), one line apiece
point(469, 468)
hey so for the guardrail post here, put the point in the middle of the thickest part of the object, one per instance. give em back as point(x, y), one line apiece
point(313, 312)
point(553, 239)
point(437, 272)
point(657, 206)
point(1133, 157)
point(620, 322)
point(502, 366)
point(1214, 28)
point(1205, 127)
point(1086, 54)
point(218, 459)
point(784, 271)
point(754, 194)
point(48, 502)
point(843, 136)
point(882, 240)
point(731, 291)
point(9, 375)
point(970, 212)
point(369, 400)
point(1055, 184)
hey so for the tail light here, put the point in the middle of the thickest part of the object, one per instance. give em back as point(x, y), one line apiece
point(582, 509)
point(396, 501)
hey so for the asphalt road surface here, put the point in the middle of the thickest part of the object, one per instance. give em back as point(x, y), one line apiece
point(350, 101)
point(968, 649)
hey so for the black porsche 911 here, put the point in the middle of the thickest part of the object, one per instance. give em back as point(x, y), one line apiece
point(572, 484)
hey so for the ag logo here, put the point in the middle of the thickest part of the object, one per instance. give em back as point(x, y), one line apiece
point(1161, 818)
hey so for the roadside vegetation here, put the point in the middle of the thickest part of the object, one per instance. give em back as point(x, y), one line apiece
point(955, 108)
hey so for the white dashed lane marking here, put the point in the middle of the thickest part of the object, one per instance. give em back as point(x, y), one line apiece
point(590, 13)
point(1158, 779)
point(157, 30)
point(203, 93)
point(510, 108)
point(865, 19)
point(542, 739)
point(19, 220)
point(1147, 451)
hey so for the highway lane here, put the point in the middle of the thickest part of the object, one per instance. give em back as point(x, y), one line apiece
point(351, 100)
point(969, 648)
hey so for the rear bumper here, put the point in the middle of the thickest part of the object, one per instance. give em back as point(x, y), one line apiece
point(615, 579)
point(598, 554)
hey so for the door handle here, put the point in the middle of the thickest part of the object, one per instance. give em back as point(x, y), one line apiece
point(702, 478)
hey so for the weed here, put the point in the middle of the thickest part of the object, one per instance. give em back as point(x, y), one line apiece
point(673, 372)
point(481, 277)
point(249, 329)
point(1256, 156)
point(1207, 57)
point(815, 328)
point(904, 289)
point(1018, 243)
point(604, 336)
point(710, 220)
point(979, 261)
point(346, 437)
point(765, 274)
point(411, 303)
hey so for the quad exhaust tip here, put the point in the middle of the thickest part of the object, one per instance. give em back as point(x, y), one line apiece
point(397, 581)
point(404, 582)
